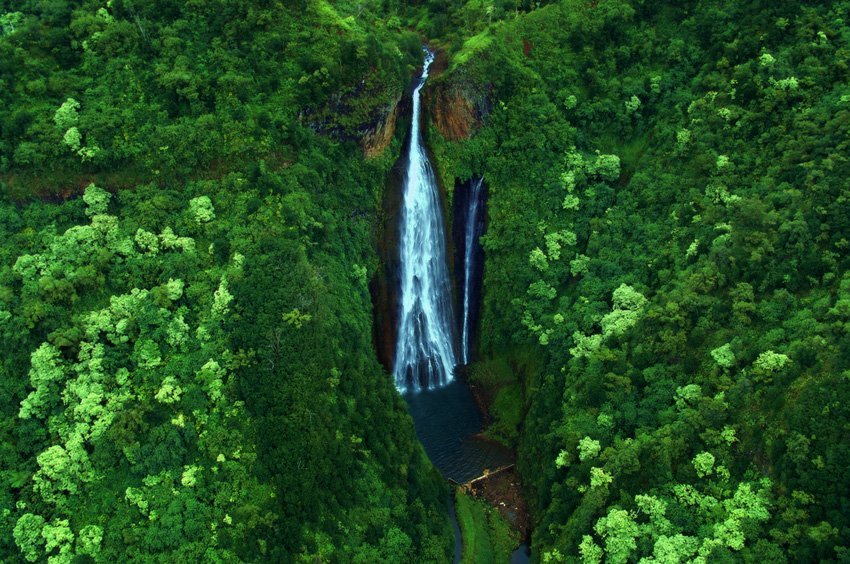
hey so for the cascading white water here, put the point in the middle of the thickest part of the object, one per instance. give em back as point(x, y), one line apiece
point(469, 266)
point(425, 353)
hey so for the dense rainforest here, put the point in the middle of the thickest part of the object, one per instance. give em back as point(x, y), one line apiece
point(187, 368)
point(190, 195)
point(667, 272)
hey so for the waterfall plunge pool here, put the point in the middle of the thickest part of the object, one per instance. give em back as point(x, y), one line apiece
point(448, 423)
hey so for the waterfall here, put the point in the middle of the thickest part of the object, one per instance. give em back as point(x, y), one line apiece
point(425, 355)
point(474, 223)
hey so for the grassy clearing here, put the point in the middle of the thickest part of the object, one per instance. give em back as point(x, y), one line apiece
point(471, 46)
point(487, 536)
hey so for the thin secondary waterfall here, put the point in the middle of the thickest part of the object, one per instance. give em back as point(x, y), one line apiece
point(474, 223)
point(425, 353)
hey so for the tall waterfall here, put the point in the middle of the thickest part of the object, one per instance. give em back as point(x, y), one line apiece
point(474, 223)
point(425, 355)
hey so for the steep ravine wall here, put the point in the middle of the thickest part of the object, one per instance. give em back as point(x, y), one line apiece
point(458, 105)
point(462, 200)
point(386, 283)
point(378, 136)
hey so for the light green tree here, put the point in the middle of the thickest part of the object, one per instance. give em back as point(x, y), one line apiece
point(554, 242)
point(627, 311)
point(619, 531)
point(58, 535)
point(656, 510)
point(61, 470)
point(88, 540)
point(168, 240)
point(607, 167)
point(599, 477)
point(169, 392)
point(190, 475)
point(571, 202)
point(202, 209)
point(73, 139)
point(724, 356)
point(46, 376)
point(27, 534)
point(67, 115)
point(579, 265)
point(174, 289)
point(673, 549)
point(770, 361)
point(211, 377)
point(221, 299)
point(703, 464)
point(96, 199)
point(588, 449)
point(585, 345)
point(10, 21)
point(148, 242)
point(589, 551)
point(541, 289)
point(687, 395)
point(537, 259)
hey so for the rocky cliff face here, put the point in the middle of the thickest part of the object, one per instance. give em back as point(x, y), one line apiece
point(379, 134)
point(341, 119)
point(454, 115)
point(458, 106)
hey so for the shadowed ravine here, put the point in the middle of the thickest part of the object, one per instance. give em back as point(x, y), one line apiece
point(469, 223)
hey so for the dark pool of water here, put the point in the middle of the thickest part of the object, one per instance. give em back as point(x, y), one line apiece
point(521, 555)
point(448, 423)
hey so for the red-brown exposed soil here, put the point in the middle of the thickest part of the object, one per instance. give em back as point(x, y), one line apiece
point(502, 491)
